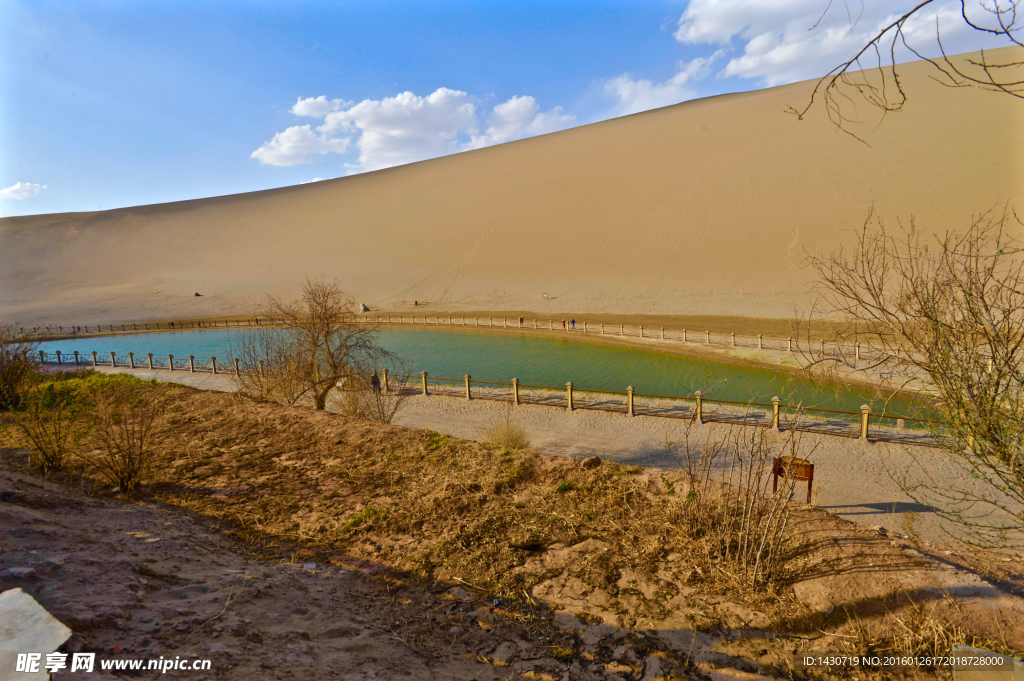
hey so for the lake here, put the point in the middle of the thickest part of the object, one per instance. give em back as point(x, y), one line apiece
point(536, 361)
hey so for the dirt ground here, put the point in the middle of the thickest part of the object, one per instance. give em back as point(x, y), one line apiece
point(851, 478)
point(249, 547)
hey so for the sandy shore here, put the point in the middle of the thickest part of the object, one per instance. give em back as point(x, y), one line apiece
point(851, 477)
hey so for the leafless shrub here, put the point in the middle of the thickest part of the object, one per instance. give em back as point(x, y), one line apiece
point(53, 418)
point(507, 434)
point(730, 508)
point(124, 413)
point(16, 366)
point(271, 366)
point(371, 396)
point(944, 317)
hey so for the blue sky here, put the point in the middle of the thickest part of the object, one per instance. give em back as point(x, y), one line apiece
point(116, 103)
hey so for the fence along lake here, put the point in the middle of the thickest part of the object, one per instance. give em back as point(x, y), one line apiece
point(536, 361)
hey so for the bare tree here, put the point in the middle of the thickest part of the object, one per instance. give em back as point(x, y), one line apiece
point(852, 78)
point(325, 342)
point(946, 315)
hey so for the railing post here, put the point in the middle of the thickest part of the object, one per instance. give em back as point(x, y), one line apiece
point(504, 322)
point(469, 395)
point(568, 394)
point(515, 391)
point(131, 360)
point(490, 321)
point(790, 340)
point(58, 357)
point(622, 330)
point(629, 397)
point(775, 414)
point(857, 351)
point(550, 327)
point(663, 333)
point(113, 359)
point(94, 363)
point(584, 327)
point(170, 362)
point(42, 357)
point(864, 413)
point(76, 357)
point(602, 329)
point(684, 335)
point(641, 330)
point(192, 365)
point(759, 345)
point(423, 377)
point(733, 334)
point(213, 364)
point(236, 367)
point(708, 337)
point(822, 346)
point(699, 414)
point(383, 374)
point(149, 355)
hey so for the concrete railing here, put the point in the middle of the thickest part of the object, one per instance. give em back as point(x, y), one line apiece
point(706, 337)
point(697, 407)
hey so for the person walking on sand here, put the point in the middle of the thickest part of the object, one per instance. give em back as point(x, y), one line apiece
point(522, 322)
point(564, 327)
point(573, 322)
point(375, 383)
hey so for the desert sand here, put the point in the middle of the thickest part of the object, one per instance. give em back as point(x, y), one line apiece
point(706, 207)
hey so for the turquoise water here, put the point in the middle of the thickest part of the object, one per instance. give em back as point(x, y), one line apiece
point(536, 361)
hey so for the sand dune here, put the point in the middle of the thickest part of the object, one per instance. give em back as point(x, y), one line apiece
point(706, 207)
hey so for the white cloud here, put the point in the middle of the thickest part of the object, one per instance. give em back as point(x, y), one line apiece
point(517, 118)
point(297, 145)
point(317, 107)
point(19, 191)
point(779, 45)
point(405, 128)
point(632, 95)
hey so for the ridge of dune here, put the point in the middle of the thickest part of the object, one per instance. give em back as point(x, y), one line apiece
point(704, 207)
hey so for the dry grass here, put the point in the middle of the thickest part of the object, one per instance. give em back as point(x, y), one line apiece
point(505, 433)
point(435, 506)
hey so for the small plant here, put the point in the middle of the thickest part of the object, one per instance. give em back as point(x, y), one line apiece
point(124, 414)
point(669, 487)
point(52, 417)
point(16, 367)
point(507, 434)
point(564, 486)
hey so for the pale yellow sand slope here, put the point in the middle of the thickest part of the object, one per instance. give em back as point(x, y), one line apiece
point(704, 207)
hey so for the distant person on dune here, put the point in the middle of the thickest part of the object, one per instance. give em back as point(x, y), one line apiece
point(564, 327)
point(573, 322)
point(375, 382)
point(522, 322)
point(198, 295)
